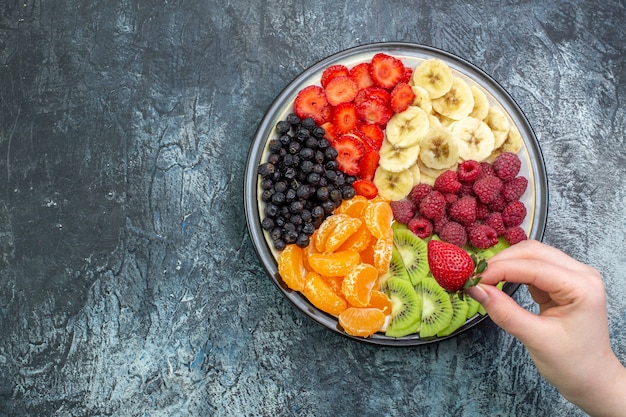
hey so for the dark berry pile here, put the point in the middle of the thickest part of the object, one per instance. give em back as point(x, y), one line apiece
point(300, 181)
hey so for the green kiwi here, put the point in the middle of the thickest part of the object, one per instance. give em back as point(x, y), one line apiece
point(413, 251)
point(459, 315)
point(472, 305)
point(436, 308)
point(406, 310)
point(396, 268)
point(489, 252)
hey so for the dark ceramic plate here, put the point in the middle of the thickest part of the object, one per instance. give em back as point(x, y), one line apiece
point(535, 198)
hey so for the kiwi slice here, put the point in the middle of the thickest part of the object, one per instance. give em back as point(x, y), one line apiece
point(396, 268)
point(459, 315)
point(489, 252)
point(406, 307)
point(472, 305)
point(414, 253)
point(436, 308)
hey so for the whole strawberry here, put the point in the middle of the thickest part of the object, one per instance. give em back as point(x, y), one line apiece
point(452, 267)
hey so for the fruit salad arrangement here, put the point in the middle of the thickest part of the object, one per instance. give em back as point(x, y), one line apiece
point(386, 189)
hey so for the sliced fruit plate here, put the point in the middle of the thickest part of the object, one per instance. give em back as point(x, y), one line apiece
point(352, 171)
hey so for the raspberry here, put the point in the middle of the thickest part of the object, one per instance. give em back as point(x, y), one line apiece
point(439, 223)
point(447, 182)
point(433, 205)
point(466, 189)
point(421, 226)
point(507, 165)
point(453, 232)
point(514, 188)
point(498, 204)
point(487, 189)
point(464, 210)
point(418, 192)
point(469, 171)
point(495, 221)
point(482, 236)
point(403, 210)
point(486, 169)
point(514, 214)
point(482, 210)
point(451, 198)
point(515, 235)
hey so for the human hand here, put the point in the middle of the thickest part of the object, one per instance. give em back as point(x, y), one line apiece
point(569, 339)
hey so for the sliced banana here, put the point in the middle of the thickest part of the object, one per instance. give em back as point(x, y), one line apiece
point(499, 124)
point(513, 143)
point(458, 102)
point(393, 185)
point(415, 171)
point(396, 159)
point(422, 98)
point(434, 120)
point(407, 128)
point(434, 75)
point(439, 148)
point(475, 139)
point(481, 103)
point(428, 172)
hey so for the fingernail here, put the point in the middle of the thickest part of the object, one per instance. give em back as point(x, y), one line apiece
point(478, 293)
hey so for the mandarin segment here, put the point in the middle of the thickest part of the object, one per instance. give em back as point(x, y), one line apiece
point(378, 217)
point(342, 231)
point(359, 240)
point(353, 207)
point(382, 250)
point(381, 301)
point(334, 264)
point(357, 285)
point(322, 296)
point(326, 230)
point(362, 322)
point(291, 267)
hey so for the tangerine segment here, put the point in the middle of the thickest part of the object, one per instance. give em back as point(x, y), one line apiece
point(381, 301)
point(362, 322)
point(326, 230)
point(291, 267)
point(334, 283)
point(342, 231)
point(353, 207)
point(382, 249)
point(357, 285)
point(378, 218)
point(359, 240)
point(321, 295)
point(334, 264)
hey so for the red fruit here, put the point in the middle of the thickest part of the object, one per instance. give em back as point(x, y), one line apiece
point(311, 102)
point(406, 75)
point(345, 118)
point(498, 204)
point(514, 188)
point(468, 171)
point(403, 210)
point(447, 182)
point(433, 205)
point(368, 165)
point(372, 134)
point(482, 211)
point(386, 70)
point(339, 90)
point(330, 133)
point(332, 72)
point(494, 220)
point(487, 188)
point(507, 165)
point(374, 110)
point(486, 169)
point(360, 74)
point(420, 226)
point(463, 211)
point(515, 235)
point(365, 188)
point(450, 265)
point(453, 232)
point(402, 96)
point(482, 236)
point(439, 223)
point(350, 150)
point(514, 214)
point(418, 192)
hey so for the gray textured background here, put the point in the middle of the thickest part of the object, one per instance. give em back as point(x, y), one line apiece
point(128, 283)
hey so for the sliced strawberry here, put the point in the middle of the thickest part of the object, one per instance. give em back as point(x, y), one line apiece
point(373, 91)
point(360, 74)
point(365, 188)
point(345, 117)
point(330, 133)
point(372, 134)
point(311, 102)
point(374, 110)
point(340, 89)
point(332, 72)
point(406, 75)
point(368, 165)
point(402, 97)
point(386, 70)
point(350, 150)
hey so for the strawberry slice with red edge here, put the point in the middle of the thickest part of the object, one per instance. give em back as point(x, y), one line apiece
point(374, 110)
point(406, 75)
point(360, 74)
point(373, 92)
point(345, 117)
point(368, 165)
point(340, 89)
point(365, 188)
point(333, 71)
point(372, 134)
point(386, 70)
point(330, 133)
point(350, 150)
point(311, 102)
point(402, 96)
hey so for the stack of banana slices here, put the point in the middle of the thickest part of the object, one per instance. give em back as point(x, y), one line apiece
point(450, 121)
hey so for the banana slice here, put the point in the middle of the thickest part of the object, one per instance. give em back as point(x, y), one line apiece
point(428, 172)
point(434, 120)
point(457, 103)
point(439, 148)
point(434, 75)
point(513, 143)
point(422, 98)
point(481, 103)
point(393, 185)
point(475, 139)
point(499, 124)
point(395, 158)
point(415, 171)
point(407, 128)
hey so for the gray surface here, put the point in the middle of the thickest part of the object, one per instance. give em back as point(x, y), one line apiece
point(128, 283)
